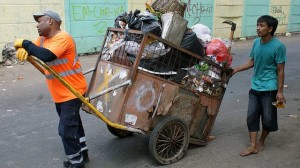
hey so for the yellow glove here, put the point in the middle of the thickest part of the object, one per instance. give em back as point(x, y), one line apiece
point(22, 54)
point(18, 43)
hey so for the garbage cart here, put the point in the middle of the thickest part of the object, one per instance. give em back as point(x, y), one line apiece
point(144, 84)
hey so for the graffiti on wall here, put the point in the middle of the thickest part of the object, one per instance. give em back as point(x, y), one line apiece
point(196, 10)
point(278, 12)
point(101, 15)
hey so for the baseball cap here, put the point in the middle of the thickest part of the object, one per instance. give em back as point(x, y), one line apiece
point(49, 13)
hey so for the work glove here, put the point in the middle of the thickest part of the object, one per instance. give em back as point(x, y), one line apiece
point(18, 43)
point(22, 54)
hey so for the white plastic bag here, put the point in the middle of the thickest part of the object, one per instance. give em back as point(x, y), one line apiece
point(202, 32)
point(109, 50)
point(201, 29)
point(152, 50)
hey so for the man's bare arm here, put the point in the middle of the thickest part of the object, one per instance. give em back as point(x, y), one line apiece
point(280, 72)
point(249, 64)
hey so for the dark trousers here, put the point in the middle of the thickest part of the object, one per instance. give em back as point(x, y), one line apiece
point(71, 130)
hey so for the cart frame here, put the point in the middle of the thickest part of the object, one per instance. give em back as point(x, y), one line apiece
point(157, 122)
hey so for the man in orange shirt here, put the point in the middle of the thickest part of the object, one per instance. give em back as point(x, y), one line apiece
point(58, 49)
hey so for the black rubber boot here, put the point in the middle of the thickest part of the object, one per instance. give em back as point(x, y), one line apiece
point(85, 159)
point(66, 163)
point(85, 156)
point(77, 166)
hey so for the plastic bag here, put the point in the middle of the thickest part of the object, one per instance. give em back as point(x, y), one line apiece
point(150, 24)
point(201, 29)
point(203, 33)
point(108, 52)
point(132, 47)
point(217, 48)
point(191, 42)
point(121, 17)
point(133, 20)
point(153, 50)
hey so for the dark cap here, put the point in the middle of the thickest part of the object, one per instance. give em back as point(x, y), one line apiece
point(49, 13)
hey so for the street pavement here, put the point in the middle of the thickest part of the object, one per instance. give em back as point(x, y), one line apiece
point(29, 138)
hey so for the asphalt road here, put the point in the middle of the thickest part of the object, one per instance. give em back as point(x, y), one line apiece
point(29, 139)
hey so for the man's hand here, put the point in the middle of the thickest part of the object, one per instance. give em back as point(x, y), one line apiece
point(234, 71)
point(22, 54)
point(280, 98)
point(18, 43)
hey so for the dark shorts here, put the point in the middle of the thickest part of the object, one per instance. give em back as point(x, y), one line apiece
point(260, 107)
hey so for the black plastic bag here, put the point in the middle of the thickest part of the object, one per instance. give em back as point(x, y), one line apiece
point(150, 24)
point(192, 43)
point(121, 17)
point(133, 20)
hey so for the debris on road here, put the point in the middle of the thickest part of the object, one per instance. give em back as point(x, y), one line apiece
point(20, 77)
point(292, 116)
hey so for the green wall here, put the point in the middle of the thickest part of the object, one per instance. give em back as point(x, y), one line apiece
point(252, 10)
point(199, 12)
point(294, 19)
point(87, 21)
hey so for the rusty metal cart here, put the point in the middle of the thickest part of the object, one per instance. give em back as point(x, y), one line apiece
point(141, 84)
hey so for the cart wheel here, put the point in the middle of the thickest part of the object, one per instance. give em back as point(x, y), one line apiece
point(118, 132)
point(169, 140)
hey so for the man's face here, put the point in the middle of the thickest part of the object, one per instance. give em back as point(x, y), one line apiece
point(43, 25)
point(263, 29)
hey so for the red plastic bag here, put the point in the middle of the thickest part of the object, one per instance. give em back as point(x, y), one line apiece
point(217, 48)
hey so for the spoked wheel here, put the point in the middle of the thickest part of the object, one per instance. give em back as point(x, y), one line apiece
point(118, 132)
point(169, 140)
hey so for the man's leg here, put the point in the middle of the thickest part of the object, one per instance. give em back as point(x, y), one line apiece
point(261, 142)
point(269, 117)
point(253, 120)
point(68, 130)
point(82, 140)
point(252, 149)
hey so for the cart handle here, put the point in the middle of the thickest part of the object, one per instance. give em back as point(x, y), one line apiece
point(94, 96)
point(89, 70)
point(39, 63)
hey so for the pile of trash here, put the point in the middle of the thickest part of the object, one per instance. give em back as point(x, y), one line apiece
point(9, 54)
point(205, 78)
point(168, 22)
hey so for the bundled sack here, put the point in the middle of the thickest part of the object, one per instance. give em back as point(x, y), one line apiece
point(145, 21)
point(153, 50)
point(122, 17)
point(133, 20)
point(218, 49)
point(191, 42)
point(201, 29)
point(150, 23)
point(202, 32)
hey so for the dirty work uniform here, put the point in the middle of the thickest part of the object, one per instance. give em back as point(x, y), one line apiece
point(67, 65)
